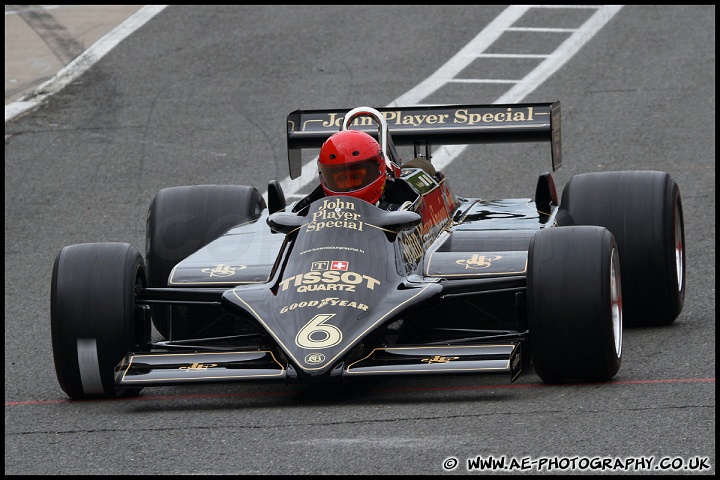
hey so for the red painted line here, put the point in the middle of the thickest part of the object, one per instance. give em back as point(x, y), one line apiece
point(544, 385)
point(376, 390)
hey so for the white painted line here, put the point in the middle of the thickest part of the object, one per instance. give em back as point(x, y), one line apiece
point(561, 55)
point(533, 29)
point(27, 10)
point(463, 58)
point(83, 62)
point(444, 155)
point(513, 55)
point(480, 80)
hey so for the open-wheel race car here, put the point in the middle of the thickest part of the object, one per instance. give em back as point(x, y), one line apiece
point(334, 288)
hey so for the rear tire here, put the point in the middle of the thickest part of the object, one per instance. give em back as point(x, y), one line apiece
point(93, 316)
point(574, 304)
point(643, 210)
point(180, 221)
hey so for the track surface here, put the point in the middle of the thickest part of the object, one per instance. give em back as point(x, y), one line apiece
point(200, 95)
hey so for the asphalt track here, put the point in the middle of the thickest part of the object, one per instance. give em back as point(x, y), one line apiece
point(46, 46)
point(204, 100)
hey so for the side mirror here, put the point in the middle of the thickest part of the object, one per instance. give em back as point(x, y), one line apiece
point(285, 222)
point(398, 220)
point(276, 197)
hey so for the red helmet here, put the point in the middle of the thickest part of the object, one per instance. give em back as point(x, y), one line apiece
point(351, 163)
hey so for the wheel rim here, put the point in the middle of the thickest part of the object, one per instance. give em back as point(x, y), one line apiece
point(616, 301)
point(679, 266)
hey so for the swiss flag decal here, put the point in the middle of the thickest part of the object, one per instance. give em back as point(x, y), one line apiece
point(339, 265)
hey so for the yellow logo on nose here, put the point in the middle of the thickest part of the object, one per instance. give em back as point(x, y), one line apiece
point(439, 359)
point(198, 367)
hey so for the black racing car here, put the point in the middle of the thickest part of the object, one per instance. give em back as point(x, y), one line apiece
point(332, 288)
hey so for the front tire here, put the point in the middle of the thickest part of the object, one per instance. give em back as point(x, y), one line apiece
point(643, 210)
point(180, 221)
point(574, 304)
point(94, 319)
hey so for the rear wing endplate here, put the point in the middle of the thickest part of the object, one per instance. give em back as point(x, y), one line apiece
point(434, 125)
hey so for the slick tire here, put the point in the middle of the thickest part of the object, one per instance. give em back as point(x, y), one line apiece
point(182, 220)
point(643, 210)
point(574, 304)
point(94, 320)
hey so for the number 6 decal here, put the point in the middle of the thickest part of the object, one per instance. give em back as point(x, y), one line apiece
point(317, 334)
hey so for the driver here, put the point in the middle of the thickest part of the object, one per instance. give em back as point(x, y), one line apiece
point(352, 163)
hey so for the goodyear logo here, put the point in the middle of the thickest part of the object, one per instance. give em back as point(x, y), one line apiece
point(325, 302)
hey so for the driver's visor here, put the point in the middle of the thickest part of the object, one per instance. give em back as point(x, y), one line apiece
point(348, 178)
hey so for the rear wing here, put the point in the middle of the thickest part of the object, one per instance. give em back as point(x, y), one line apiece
point(422, 127)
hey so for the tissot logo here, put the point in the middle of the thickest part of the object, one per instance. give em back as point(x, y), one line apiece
point(326, 265)
point(320, 265)
point(329, 280)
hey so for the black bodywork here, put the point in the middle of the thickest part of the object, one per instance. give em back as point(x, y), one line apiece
point(332, 288)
